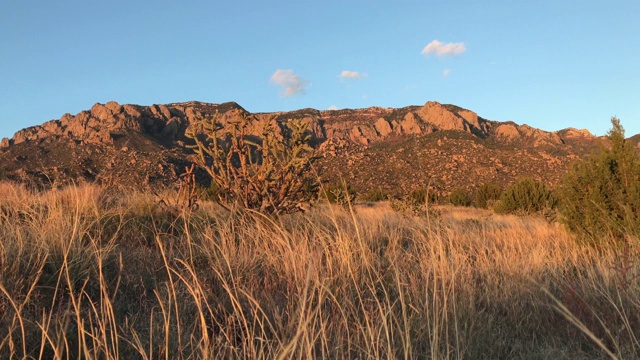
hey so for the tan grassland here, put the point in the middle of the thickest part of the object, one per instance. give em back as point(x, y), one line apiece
point(96, 274)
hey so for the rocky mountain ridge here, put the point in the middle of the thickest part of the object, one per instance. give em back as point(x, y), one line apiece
point(443, 146)
point(103, 122)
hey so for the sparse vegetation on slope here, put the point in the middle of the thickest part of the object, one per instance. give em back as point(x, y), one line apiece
point(90, 273)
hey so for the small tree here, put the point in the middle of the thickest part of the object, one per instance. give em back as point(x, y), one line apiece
point(487, 193)
point(601, 195)
point(526, 196)
point(269, 172)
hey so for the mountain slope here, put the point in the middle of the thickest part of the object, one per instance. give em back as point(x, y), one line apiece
point(443, 146)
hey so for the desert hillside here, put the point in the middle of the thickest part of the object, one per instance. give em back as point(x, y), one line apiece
point(437, 145)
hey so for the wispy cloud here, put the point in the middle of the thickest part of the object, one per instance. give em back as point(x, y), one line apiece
point(346, 74)
point(292, 84)
point(332, 107)
point(440, 49)
point(446, 72)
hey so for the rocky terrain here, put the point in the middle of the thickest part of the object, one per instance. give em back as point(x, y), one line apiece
point(442, 146)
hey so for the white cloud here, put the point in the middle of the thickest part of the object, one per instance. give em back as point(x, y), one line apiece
point(446, 72)
point(441, 49)
point(292, 84)
point(332, 107)
point(346, 74)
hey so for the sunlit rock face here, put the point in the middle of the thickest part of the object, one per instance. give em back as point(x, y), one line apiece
point(438, 144)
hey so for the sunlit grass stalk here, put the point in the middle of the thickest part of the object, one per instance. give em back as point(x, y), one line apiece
point(88, 275)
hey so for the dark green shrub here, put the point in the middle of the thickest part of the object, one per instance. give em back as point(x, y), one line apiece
point(601, 195)
point(375, 195)
point(486, 194)
point(419, 196)
point(339, 193)
point(459, 197)
point(526, 196)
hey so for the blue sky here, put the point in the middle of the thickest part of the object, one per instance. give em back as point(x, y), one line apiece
point(549, 64)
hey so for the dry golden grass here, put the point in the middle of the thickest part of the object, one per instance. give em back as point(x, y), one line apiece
point(87, 273)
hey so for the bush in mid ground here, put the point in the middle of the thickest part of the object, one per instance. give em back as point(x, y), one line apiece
point(487, 193)
point(375, 195)
point(339, 193)
point(417, 203)
point(601, 195)
point(269, 172)
point(421, 195)
point(526, 196)
point(459, 197)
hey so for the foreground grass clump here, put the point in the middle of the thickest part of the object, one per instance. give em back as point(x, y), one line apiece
point(87, 273)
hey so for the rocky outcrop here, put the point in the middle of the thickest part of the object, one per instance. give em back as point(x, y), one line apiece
point(540, 137)
point(511, 132)
point(357, 135)
point(411, 125)
point(167, 123)
point(507, 131)
point(472, 118)
point(576, 133)
point(105, 112)
point(103, 122)
point(383, 127)
point(443, 118)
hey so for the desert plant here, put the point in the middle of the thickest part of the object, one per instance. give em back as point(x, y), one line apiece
point(417, 203)
point(459, 197)
point(421, 195)
point(526, 196)
point(187, 196)
point(270, 172)
point(340, 193)
point(601, 195)
point(487, 193)
point(210, 193)
point(377, 194)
